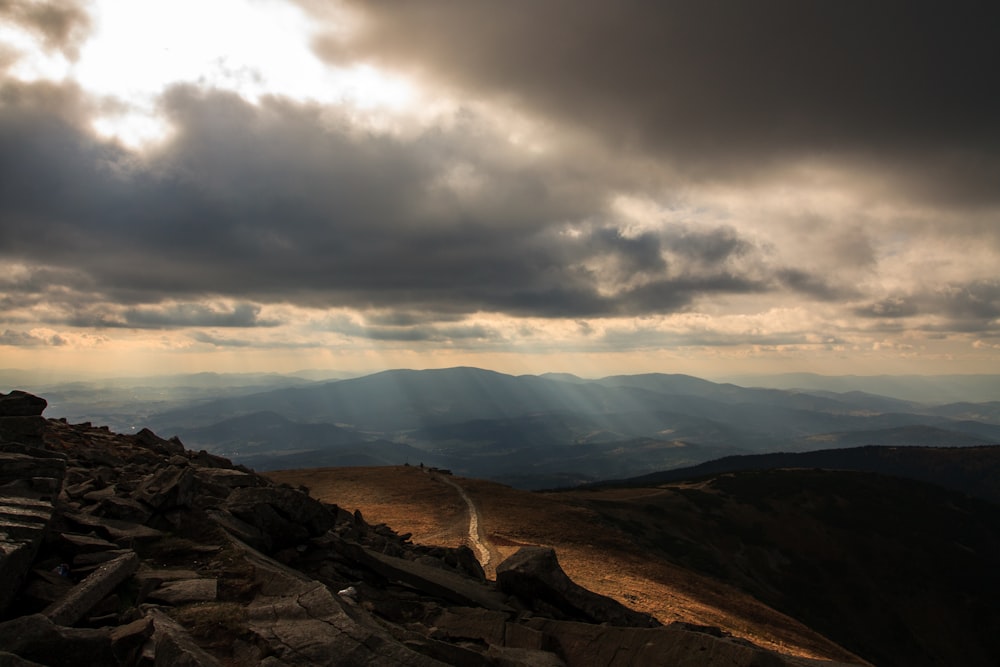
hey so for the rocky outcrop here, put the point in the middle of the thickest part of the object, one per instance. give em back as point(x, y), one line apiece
point(534, 577)
point(131, 550)
point(21, 404)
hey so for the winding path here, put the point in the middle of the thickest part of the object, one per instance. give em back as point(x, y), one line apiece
point(479, 546)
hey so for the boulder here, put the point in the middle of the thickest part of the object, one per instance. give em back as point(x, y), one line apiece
point(534, 576)
point(168, 487)
point(21, 404)
point(174, 647)
point(285, 515)
point(127, 640)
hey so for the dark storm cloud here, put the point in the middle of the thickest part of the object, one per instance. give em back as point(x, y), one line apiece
point(283, 202)
point(63, 26)
point(721, 87)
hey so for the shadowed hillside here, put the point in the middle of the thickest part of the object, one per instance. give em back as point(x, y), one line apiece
point(971, 470)
point(898, 572)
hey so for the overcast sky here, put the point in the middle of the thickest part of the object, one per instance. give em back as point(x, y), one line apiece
point(704, 186)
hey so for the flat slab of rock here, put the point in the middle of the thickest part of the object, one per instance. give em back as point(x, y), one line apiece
point(184, 591)
point(302, 623)
point(94, 588)
point(431, 580)
point(15, 466)
point(24, 518)
point(79, 544)
point(121, 532)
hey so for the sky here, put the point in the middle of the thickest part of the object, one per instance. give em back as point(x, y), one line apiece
point(699, 186)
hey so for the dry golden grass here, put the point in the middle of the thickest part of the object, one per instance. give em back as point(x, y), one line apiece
point(593, 554)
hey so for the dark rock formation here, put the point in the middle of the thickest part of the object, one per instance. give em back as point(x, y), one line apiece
point(21, 404)
point(130, 550)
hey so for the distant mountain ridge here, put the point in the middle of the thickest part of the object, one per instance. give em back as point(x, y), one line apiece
point(539, 431)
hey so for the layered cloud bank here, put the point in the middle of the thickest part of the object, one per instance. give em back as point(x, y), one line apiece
point(691, 186)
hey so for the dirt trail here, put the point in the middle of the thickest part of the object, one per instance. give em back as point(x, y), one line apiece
point(479, 546)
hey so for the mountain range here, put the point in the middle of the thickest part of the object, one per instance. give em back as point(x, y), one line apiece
point(531, 431)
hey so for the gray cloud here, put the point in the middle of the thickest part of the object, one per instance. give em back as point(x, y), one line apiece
point(728, 89)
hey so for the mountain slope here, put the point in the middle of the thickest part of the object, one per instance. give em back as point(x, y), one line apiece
point(900, 572)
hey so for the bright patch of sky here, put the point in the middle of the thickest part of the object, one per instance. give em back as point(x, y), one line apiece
point(137, 49)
